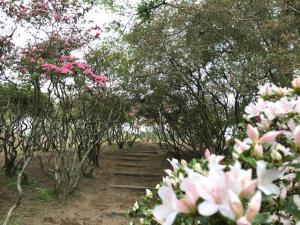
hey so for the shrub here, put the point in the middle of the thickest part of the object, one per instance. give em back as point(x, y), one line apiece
point(259, 183)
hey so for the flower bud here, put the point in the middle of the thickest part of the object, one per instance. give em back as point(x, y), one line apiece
point(180, 177)
point(236, 204)
point(296, 83)
point(258, 151)
point(183, 163)
point(197, 167)
point(136, 206)
point(149, 193)
point(254, 206)
point(283, 194)
point(275, 155)
point(290, 186)
point(297, 138)
point(207, 153)
point(169, 172)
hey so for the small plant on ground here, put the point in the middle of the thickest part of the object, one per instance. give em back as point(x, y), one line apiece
point(12, 185)
point(16, 221)
point(44, 194)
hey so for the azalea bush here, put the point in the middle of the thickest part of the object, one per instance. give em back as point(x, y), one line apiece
point(257, 183)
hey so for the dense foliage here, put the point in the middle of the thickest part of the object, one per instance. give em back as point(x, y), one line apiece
point(195, 65)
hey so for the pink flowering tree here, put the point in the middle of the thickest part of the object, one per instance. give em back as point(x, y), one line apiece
point(52, 30)
point(68, 81)
point(257, 183)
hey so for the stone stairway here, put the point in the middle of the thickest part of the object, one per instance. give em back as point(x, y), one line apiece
point(133, 171)
point(138, 169)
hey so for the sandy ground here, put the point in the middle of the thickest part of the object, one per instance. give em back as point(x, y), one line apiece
point(96, 202)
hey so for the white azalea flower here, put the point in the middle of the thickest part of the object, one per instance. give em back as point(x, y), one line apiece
point(266, 177)
point(174, 163)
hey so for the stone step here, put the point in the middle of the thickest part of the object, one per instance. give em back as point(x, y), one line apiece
point(135, 180)
point(133, 165)
point(135, 174)
point(149, 152)
point(131, 159)
point(146, 170)
point(115, 214)
point(141, 155)
point(133, 188)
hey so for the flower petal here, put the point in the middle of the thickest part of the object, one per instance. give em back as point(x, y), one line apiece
point(269, 137)
point(207, 208)
point(252, 133)
point(254, 206)
point(170, 219)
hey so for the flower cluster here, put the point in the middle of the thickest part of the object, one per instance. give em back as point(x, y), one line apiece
point(259, 183)
point(58, 10)
point(33, 63)
point(72, 68)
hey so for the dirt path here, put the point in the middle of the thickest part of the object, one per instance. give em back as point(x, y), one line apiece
point(103, 199)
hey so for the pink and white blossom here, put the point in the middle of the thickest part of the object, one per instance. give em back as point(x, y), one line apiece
point(166, 213)
point(214, 192)
point(266, 177)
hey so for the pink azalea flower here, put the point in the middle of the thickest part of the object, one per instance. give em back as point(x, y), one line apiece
point(214, 162)
point(166, 213)
point(99, 78)
point(88, 72)
point(49, 67)
point(253, 134)
point(240, 181)
point(68, 65)
point(66, 58)
point(192, 186)
point(64, 70)
point(214, 192)
point(80, 65)
point(240, 146)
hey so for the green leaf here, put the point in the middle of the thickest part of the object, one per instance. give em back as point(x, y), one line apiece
point(248, 160)
point(297, 178)
point(291, 208)
point(261, 218)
